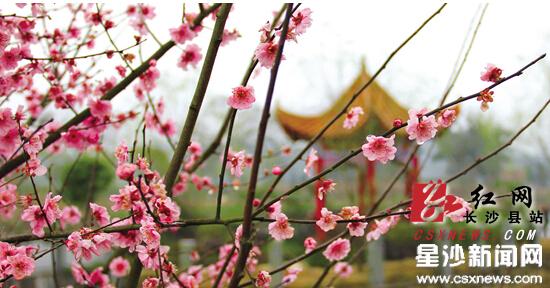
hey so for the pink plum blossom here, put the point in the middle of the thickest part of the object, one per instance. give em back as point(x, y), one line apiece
point(291, 275)
point(343, 269)
point(491, 73)
point(310, 244)
point(447, 117)
point(81, 248)
point(79, 274)
point(125, 171)
point(167, 210)
point(7, 123)
point(150, 234)
point(35, 140)
point(328, 220)
point(337, 250)
point(69, 215)
point(237, 162)
point(147, 80)
point(379, 148)
point(9, 59)
point(4, 40)
point(33, 167)
point(119, 267)
point(8, 199)
point(238, 235)
point(150, 282)
point(325, 186)
point(100, 108)
point(382, 227)
point(242, 97)
point(190, 56)
point(125, 199)
point(347, 212)
point(229, 36)
point(266, 53)
point(357, 228)
point(312, 158)
point(98, 279)
point(182, 33)
point(280, 229)
point(301, 20)
point(195, 148)
point(420, 127)
point(263, 280)
point(352, 117)
point(37, 219)
point(149, 257)
point(21, 265)
point(100, 214)
point(274, 209)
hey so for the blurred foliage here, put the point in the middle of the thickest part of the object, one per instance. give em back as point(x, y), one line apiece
point(463, 147)
point(90, 172)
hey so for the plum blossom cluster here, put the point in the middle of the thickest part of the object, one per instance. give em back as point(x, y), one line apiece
point(237, 161)
point(186, 32)
point(421, 125)
point(267, 49)
point(16, 261)
point(144, 198)
point(227, 252)
point(242, 97)
point(184, 177)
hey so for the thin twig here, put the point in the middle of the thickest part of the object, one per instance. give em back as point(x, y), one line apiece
point(246, 244)
point(496, 151)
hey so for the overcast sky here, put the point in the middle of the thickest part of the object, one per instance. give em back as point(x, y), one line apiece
point(327, 57)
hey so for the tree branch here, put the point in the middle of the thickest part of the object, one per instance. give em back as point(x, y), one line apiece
point(246, 244)
point(198, 97)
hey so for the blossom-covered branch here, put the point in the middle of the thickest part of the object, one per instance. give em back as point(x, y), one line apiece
point(392, 131)
point(12, 164)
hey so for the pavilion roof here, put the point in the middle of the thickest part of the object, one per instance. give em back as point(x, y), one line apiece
point(379, 107)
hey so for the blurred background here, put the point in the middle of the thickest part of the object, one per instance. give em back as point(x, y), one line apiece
point(347, 41)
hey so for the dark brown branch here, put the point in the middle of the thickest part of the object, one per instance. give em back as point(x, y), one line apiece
point(109, 228)
point(246, 241)
point(232, 115)
point(198, 97)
